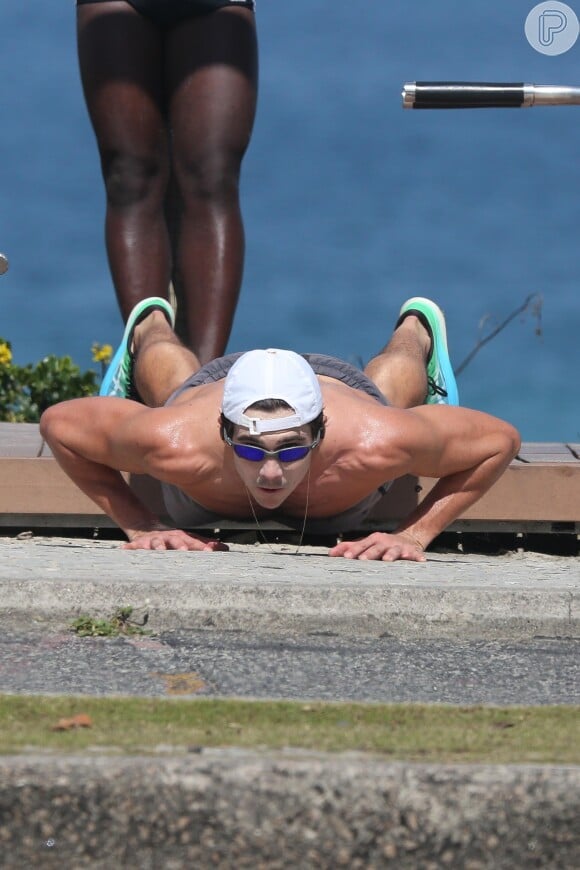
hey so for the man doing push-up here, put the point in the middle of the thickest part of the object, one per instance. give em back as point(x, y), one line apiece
point(272, 434)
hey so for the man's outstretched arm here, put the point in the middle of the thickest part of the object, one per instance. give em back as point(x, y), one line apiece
point(467, 450)
point(94, 440)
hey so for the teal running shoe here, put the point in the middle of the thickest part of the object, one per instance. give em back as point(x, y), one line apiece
point(441, 384)
point(118, 379)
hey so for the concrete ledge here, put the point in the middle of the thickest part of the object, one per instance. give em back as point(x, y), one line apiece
point(263, 608)
point(253, 589)
point(238, 809)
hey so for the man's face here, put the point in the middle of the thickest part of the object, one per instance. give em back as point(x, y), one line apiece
point(270, 481)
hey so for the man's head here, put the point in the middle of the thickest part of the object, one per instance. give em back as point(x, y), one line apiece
point(272, 402)
point(271, 374)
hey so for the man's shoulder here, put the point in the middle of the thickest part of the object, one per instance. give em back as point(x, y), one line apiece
point(197, 396)
point(181, 444)
point(336, 391)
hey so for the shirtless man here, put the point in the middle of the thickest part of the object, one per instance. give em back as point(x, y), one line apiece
point(319, 457)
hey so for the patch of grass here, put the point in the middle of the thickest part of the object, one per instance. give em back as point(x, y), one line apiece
point(397, 731)
point(119, 623)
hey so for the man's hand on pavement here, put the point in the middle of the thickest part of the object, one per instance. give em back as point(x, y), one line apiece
point(380, 545)
point(171, 539)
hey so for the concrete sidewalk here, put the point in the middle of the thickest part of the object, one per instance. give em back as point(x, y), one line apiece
point(263, 589)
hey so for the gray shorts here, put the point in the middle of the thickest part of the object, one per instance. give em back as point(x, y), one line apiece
point(187, 513)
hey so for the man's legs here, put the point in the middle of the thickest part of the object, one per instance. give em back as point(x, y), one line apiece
point(414, 368)
point(161, 362)
point(399, 370)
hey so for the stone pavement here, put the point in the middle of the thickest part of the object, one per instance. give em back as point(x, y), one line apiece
point(232, 809)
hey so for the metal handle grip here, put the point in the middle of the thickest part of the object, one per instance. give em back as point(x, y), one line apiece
point(486, 95)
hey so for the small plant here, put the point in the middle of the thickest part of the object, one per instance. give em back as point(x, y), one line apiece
point(119, 623)
point(27, 391)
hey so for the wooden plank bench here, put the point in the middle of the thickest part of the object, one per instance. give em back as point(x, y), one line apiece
point(539, 492)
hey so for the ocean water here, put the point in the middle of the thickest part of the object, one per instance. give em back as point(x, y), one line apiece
point(351, 204)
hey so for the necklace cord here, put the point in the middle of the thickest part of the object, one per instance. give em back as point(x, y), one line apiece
point(261, 531)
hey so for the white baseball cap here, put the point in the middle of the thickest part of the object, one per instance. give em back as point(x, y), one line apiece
point(271, 374)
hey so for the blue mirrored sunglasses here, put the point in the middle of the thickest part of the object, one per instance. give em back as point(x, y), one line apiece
point(258, 454)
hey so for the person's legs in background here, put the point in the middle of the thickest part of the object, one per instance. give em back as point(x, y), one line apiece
point(182, 97)
point(121, 58)
point(212, 71)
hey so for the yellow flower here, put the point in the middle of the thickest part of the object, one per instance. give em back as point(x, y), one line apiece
point(5, 354)
point(102, 353)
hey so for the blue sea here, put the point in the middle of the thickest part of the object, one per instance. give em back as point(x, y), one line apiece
point(351, 204)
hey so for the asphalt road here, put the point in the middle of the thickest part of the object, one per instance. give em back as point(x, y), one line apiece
point(218, 663)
